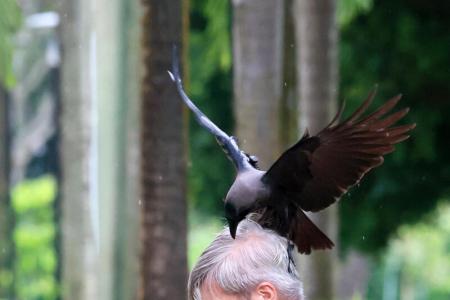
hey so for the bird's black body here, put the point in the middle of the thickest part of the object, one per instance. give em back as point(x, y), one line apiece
point(309, 176)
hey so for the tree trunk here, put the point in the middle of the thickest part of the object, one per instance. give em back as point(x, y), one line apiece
point(6, 214)
point(79, 206)
point(316, 32)
point(99, 200)
point(289, 99)
point(354, 276)
point(116, 105)
point(163, 231)
point(127, 216)
point(257, 53)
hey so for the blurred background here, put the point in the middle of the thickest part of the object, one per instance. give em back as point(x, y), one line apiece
point(110, 190)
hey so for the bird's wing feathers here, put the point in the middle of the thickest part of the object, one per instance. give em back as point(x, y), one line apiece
point(318, 170)
point(228, 144)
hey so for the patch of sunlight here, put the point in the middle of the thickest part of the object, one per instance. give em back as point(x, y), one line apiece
point(202, 231)
point(422, 252)
point(357, 296)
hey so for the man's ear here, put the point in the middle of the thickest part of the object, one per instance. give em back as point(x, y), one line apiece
point(267, 291)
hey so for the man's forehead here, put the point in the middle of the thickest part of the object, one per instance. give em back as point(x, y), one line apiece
point(210, 290)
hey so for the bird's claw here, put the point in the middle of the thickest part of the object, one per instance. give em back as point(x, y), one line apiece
point(290, 247)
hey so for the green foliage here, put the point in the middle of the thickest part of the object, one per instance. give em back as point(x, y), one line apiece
point(418, 260)
point(347, 10)
point(210, 173)
point(9, 23)
point(210, 41)
point(34, 239)
point(403, 46)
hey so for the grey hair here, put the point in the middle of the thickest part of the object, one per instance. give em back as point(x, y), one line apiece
point(238, 266)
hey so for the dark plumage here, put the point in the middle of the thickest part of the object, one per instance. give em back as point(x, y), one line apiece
point(311, 175)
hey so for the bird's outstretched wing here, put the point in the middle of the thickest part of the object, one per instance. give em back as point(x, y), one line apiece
point(318, 170)
point(228, 144)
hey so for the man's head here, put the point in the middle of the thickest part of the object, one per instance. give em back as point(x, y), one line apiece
point(252, 266)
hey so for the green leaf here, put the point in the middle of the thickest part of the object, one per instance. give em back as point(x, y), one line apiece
point(34, 194)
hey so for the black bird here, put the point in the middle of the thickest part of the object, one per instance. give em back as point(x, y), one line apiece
point(311, 175)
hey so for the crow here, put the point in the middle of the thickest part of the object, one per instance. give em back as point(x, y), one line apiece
point(309, 176)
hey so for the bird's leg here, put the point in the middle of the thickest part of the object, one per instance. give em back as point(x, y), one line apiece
point(290, 247)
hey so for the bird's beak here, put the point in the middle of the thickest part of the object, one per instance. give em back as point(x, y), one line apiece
point(233, 227)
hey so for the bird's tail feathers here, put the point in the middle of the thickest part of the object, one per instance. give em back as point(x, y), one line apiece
point(307, 236)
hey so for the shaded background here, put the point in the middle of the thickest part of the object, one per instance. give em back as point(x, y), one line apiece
point(110, 190)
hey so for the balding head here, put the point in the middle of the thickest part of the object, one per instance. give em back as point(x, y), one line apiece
point(256, 259)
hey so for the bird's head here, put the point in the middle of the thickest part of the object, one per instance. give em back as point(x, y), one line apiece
point(234, 214)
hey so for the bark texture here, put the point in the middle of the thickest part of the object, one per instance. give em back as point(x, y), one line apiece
point(289, 99)
point(316, 33)
point(126, 241)
point(79, 238)
point(163, 231)
point(257, 54)
point(354, 276)
point(98, 151)
point(6, 213)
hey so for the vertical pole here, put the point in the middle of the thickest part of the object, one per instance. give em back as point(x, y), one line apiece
point(163, 228)
point(78, 154)
point(257, 55)
point(6, 214)
point(317, 74)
